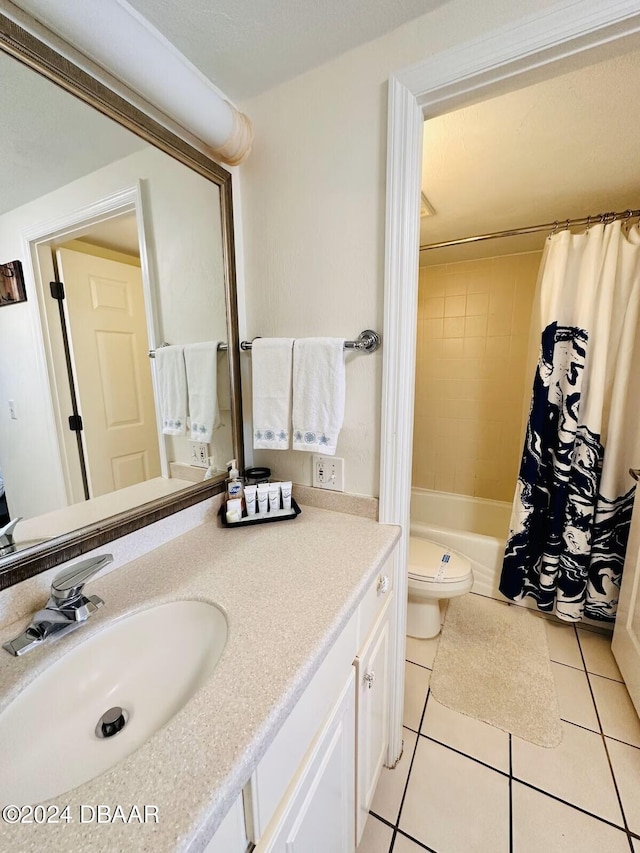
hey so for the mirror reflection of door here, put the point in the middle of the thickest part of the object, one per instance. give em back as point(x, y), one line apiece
point(108, 350)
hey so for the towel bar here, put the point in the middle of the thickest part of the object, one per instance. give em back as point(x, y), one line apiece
point(367, 341)
point(221, 348)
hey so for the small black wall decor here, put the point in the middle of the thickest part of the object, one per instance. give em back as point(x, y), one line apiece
point(12, 288)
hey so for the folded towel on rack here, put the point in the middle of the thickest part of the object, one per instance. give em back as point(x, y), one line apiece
point(318, 393)
point(201, 361)
point(271, 379)
point(172, 389)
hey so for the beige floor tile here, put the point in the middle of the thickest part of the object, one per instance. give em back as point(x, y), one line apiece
point(467, 734)
point(416, 684)
point(406, 845)
point(574, 696)
point(388, 796)
point(563, 644)
point(576, 771)
point(542, 823)
point(625, 761)
point(598, 657)
point(422, 652)
point(376, 837)
point(454, 804)
point(617, 714)
point(636, 845)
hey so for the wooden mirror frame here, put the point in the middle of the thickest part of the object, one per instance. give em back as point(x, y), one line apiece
point(34, 53)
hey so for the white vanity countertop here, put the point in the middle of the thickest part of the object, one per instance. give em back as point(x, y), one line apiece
point(288, 589)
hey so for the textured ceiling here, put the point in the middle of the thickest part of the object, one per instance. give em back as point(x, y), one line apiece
point(49, 138)
point(247, 46)
point(565, 148)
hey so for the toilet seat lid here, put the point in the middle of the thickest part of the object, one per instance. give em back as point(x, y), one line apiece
point(429, 561)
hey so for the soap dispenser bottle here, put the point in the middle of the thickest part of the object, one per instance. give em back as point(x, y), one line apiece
point(234, 482)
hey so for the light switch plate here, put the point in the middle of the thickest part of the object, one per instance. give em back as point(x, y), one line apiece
point(328, 472)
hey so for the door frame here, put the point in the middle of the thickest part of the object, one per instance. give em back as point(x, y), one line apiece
point(66, 226)
point(566, 36)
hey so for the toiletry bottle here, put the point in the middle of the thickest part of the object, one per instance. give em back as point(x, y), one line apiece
point(234, 482)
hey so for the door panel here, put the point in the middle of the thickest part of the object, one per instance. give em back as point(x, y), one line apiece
point(107, 329)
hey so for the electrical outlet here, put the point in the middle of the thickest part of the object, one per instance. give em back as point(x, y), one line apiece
point(199, 454)
point(328, 472)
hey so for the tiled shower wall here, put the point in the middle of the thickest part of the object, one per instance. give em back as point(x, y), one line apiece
point(473, 329)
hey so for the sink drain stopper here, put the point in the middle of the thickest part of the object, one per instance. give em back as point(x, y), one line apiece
point(111, 722)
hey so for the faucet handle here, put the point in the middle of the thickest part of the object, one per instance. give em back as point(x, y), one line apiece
point(6, 532)
point(68, 584)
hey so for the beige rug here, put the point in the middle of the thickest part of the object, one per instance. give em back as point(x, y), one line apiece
point(493, 664)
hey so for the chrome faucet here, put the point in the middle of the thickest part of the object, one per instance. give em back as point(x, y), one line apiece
point(66, 608)
point(7, 545)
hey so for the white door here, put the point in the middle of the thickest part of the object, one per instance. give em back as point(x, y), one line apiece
point(626, 634)
point(108, 337)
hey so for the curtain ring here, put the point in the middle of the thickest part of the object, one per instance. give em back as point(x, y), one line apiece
point(588, 224)
point(566, 225)
point(554, 229)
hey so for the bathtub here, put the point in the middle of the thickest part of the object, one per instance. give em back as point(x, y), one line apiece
point(475, 527)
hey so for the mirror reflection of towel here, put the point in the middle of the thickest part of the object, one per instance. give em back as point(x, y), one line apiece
point(172, 389)
point(201, 362)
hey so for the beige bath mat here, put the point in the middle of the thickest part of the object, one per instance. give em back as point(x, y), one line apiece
point(493, 664)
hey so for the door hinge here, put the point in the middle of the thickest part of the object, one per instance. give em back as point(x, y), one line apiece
point(75, 423)
point(57, 289)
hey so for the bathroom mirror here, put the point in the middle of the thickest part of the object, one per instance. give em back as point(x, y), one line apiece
point(136, 224)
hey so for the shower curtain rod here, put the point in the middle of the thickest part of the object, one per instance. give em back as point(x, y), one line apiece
point(548, 226)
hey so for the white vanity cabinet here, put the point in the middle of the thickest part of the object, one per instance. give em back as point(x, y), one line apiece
point(311, 791)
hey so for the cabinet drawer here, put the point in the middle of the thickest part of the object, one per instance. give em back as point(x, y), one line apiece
point(375, 598)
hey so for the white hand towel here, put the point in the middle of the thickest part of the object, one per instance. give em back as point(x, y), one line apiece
point(172, 389)
point(201, 361)
point(318, 393)
point(271, 379)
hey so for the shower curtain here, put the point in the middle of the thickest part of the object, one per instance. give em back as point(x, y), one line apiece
point(572, 507)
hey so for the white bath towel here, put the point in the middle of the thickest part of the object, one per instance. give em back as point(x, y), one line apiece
point(201, 361)
point(172, 389)
point(318, 393)
point(271, 379)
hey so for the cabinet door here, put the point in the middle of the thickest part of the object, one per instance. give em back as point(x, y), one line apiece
point(374, 685)
point(319, 816)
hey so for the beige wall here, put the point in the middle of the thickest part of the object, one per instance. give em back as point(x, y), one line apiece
point(313, 205)
point(473, 330)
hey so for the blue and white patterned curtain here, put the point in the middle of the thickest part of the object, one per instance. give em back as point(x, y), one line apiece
point(572, 508)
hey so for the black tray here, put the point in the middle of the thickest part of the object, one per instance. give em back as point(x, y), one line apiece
point(261, 518)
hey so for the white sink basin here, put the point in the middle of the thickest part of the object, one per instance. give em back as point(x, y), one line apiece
point(150, 664)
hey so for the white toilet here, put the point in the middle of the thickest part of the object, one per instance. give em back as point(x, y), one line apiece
point(435, 572)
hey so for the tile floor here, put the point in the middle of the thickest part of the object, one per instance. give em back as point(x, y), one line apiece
point(463, 786)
